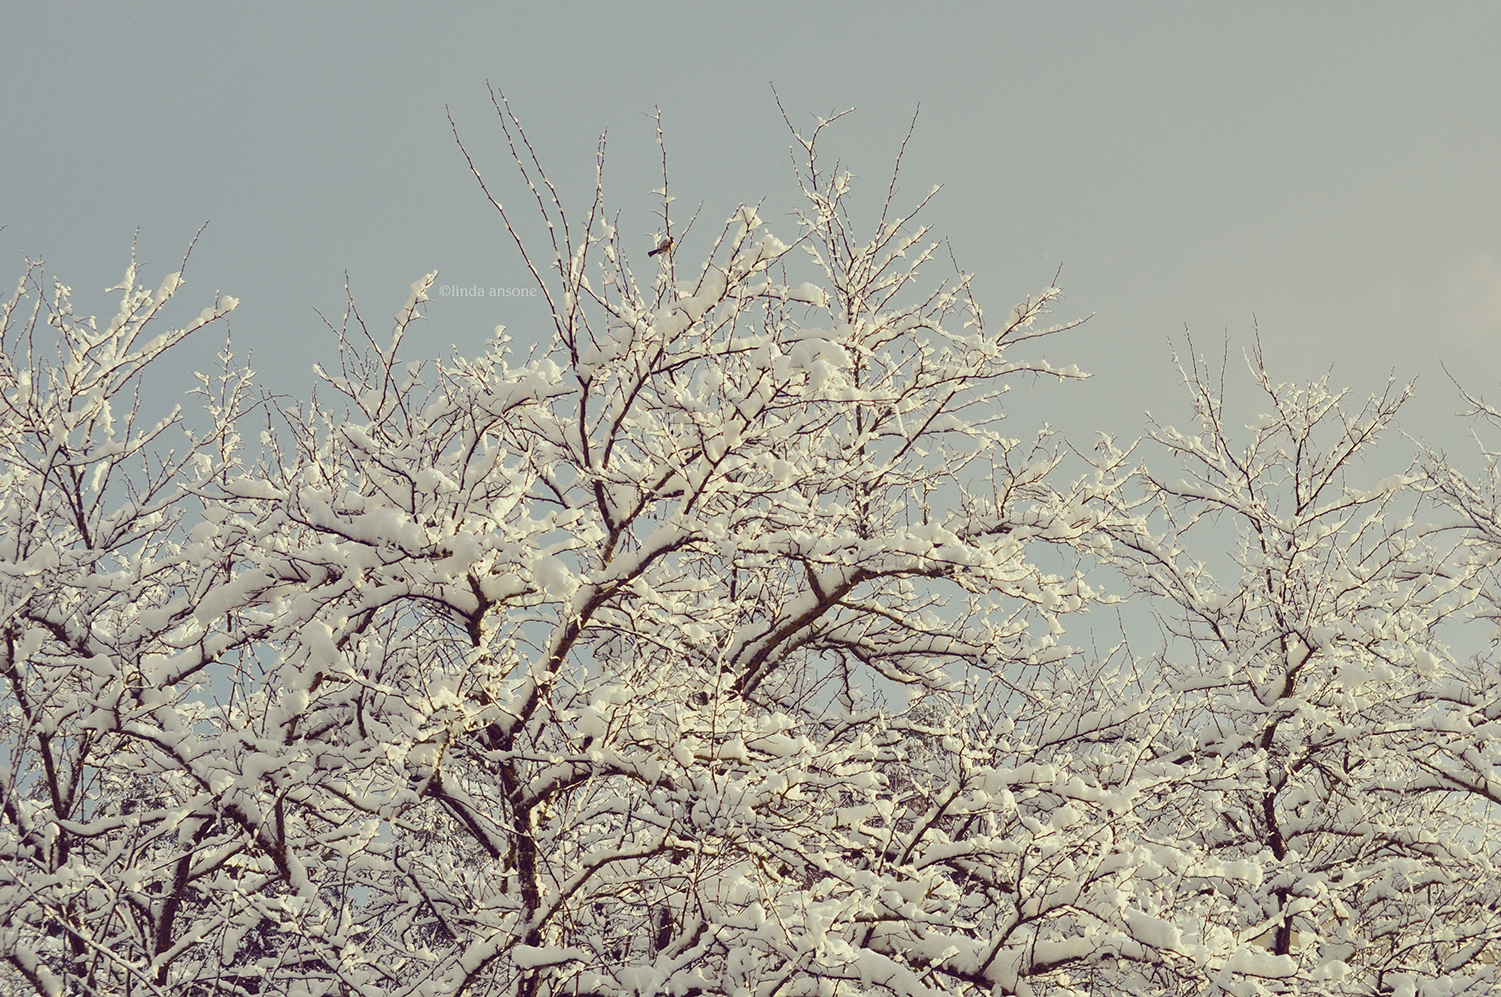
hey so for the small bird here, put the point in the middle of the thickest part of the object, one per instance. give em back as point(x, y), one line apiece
point(662, 246)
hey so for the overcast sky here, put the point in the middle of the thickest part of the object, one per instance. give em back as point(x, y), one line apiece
point(1328, 171)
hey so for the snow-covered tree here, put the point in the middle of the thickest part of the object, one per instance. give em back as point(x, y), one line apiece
point(705, 648)
point(1306, 609)
point(105, 838)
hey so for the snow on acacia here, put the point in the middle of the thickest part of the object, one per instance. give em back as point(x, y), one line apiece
point(709, 651)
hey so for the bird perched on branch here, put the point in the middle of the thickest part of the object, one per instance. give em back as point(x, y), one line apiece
point(662, 246)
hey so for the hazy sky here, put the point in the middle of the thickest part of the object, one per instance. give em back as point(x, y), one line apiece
point(1328, 170)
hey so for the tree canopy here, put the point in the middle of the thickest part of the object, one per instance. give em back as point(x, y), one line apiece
point(721, 645)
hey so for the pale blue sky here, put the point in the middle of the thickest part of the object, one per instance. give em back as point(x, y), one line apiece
point(1330, 168)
